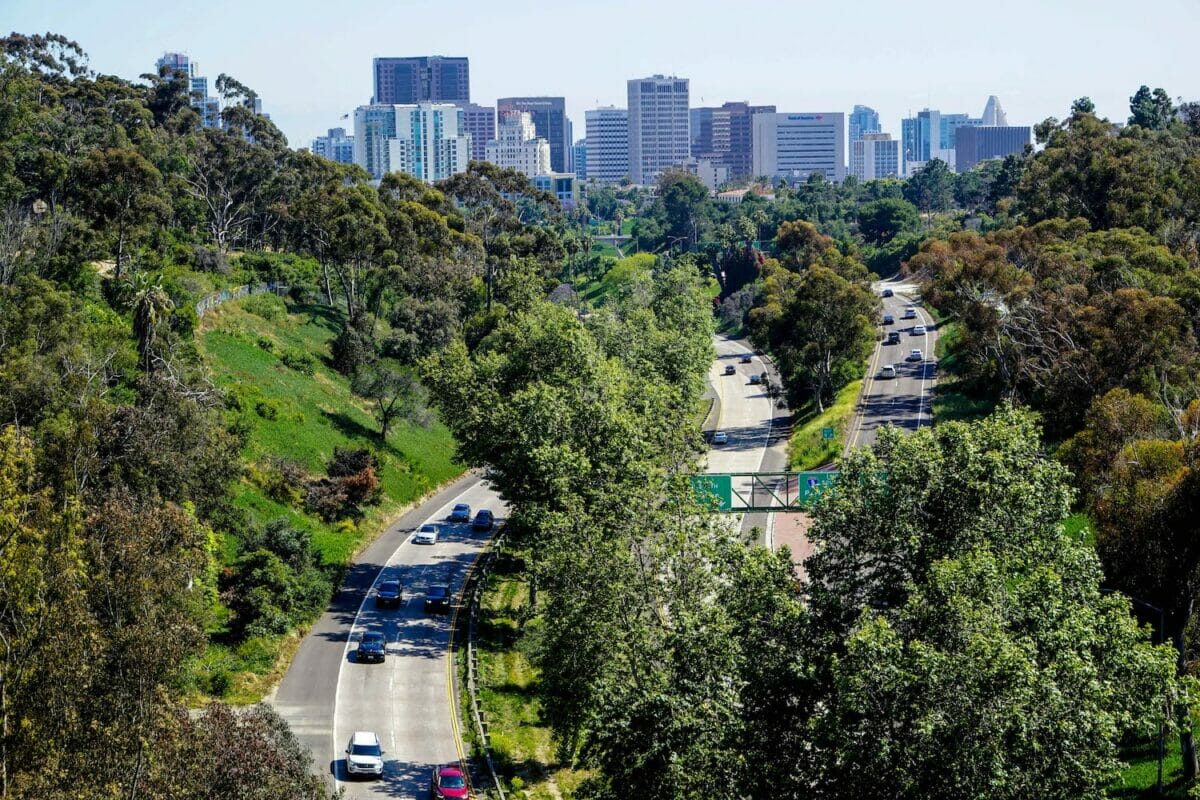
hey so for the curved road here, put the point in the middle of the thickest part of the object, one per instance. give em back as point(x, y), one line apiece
point(408, 699)
point(904, 401)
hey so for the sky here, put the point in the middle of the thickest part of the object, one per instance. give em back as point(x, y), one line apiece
point(311, 61)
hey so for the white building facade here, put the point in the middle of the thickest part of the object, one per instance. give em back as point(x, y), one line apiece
point(795, 146)
point(517, 146)
point(659, 126)
point(428, 140)
point(875, 156)
point(607, 139)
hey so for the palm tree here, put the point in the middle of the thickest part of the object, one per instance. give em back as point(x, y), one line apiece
point(151, 306)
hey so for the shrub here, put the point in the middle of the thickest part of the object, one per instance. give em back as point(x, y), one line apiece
point(267, 409)
point(266, 343)
point(266, 305)
point(300, 360)
point(349, 460)
point(210, 259)
point(286, 482)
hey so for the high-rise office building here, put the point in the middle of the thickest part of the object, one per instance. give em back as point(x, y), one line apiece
point(874, 156)
point(550, 120)
point(427, 140)
point(993, 114)
point(985, 142)
point(863, 119)
point(659, 125)
point(481, 124)
point(335, 145)
point(517, 145)
point(422, 79)
point(607, 144)
point(725, 135)
point(209, 108)
point(797, 145)
point(579, 159)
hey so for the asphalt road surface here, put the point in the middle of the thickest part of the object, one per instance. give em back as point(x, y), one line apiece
point(407, 700)
point(906, 400)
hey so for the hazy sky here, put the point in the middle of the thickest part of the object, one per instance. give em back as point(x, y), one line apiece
point(311, 61)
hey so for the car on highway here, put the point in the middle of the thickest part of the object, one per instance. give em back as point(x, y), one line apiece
point(484, 520)
point(756, 379)
point(887, 293)
point(746, 358)
point(388, 594)
point(437, 598)
point(364, 755)
point(918, 330)
point(915, 355)
point(910, 312)
point(893, 337)
point(888, 319)
point(888, 371)
point(371, 647)
point(720, 437)
point(461, 513)
point(448, 784)
point(730, 369)
point(426, 534)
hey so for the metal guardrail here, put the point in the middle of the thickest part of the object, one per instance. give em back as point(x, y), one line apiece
point(479, 578)
point(225, 295)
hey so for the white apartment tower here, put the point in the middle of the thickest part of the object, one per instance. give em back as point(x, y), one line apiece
point(518, 147)
point(875, 156)
point(427, 140)
point(659, 126)
point(607, 144)
point(797, 145)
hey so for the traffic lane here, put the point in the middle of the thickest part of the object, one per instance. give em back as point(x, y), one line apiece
point(305, 695)
point(407, 700)
point(903, 401)
point(747, 410)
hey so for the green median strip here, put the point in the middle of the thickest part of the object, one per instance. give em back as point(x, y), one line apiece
point(811, 446)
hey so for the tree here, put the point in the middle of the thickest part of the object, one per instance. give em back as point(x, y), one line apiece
point(395, 394)
point(960, 634)
point(820, 327)
point(880, 221)
point(931, 188)
point(151, 307)
point(124, 191)
point(1152, 110)
point(1083, 105)
point(684, 200)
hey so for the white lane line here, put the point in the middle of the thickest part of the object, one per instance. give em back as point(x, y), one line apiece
point(924, 371)
point(350, 634)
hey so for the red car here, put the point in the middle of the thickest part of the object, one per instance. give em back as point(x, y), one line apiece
point(448, 784)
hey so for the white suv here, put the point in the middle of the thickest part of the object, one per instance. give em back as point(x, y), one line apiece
point(364, 756)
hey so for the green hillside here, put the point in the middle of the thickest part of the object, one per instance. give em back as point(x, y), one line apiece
point(291, 416)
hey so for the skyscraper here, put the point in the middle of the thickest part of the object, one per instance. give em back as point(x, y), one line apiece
point(863, 119)
point(874, 156)
point(993, 114)
point(335, 145)
point(725, 135)
point(550, 120)
point(797, 145)
point(659, 125)
point(579, 159)
point(481, 124)
point(427, 140)
point(607, 144)
point(517, 145)
point(422, 79)
point(209, 108)
point(986, 142)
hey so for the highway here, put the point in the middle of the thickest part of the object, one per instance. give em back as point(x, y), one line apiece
point(407, 700)
point(906, 400)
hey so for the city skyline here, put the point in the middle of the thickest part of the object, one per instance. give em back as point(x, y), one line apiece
point(927, 58)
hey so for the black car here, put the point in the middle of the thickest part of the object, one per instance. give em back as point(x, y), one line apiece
point(372, 647)
point(484, 520)
point(746, 358)
point(887, 292)
point(460, 513)
point(893, 337)
point(888, 319)
point(437, 599)
point(389, 594)
point(730, 369)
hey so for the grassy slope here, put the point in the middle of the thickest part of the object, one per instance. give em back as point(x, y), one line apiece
point(949, 401)
point(314, 414)
point(807, 449)
point(521, 745)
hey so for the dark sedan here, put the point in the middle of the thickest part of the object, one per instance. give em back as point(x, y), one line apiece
point(437, 599)
point(372, 647)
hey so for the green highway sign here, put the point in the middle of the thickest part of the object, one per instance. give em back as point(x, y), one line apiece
point(827, 433)
point(812, 484)
point(710, 487)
